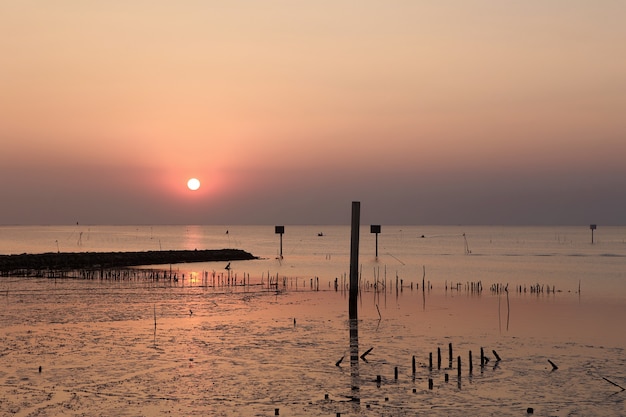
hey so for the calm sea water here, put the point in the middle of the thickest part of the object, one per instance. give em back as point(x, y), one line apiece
point(560, 257)
point(136, 348)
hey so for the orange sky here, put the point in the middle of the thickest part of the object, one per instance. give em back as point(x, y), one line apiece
point(427, 112)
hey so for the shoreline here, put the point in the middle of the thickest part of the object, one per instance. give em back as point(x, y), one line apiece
point(102, 260)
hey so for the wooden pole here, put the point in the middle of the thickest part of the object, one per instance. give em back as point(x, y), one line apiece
point(438, 358)
point(354, 259)
point(354, 292)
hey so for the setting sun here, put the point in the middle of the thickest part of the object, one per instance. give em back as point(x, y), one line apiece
point(193, 184)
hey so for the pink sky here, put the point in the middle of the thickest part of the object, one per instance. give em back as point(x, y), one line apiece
point(480, 112)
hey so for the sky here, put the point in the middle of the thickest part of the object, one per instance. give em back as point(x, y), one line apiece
point(447, 112)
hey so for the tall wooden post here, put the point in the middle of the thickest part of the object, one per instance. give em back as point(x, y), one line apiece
point(354, 291)
point(354, 258)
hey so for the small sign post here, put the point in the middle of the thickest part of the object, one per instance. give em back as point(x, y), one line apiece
point(592, 227)
point(375, 228)
point(279, 230)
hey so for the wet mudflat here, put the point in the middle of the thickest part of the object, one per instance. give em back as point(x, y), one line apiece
point(249, 351)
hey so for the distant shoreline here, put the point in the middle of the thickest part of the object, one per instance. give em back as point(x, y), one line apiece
point(102, 260)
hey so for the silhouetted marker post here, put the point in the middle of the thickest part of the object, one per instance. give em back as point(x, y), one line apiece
point(375, 228)
point(354, 291)
point(279, 230)
point(354, 259)
point(592, 227)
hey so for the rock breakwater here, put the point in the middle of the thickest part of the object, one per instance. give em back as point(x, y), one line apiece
point(99, 260)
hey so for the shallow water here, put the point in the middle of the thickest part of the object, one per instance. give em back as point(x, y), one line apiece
point(557, 256)
point(239, 352)
point(235, 350)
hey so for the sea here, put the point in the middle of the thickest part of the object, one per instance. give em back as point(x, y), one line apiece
point(534, 315)
point(564, 257)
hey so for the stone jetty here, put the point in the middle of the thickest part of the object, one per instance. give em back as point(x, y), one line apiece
point(104, 260)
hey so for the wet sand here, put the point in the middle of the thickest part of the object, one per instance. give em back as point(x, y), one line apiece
point(232, 351)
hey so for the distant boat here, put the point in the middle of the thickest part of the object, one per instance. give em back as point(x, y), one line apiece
point(320, 234)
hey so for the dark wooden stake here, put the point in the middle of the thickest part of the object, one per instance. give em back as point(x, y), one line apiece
point(354, 260)
point(366, 353)
point(610, 382)
point(438, 358)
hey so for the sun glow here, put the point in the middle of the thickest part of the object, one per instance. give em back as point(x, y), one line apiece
point(193, 184)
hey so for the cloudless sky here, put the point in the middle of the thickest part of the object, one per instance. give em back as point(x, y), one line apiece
point(428, 112)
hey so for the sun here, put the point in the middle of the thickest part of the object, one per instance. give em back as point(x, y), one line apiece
point(193, 184)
